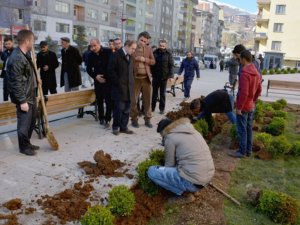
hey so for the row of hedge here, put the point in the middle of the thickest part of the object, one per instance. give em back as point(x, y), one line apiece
point(280, 71)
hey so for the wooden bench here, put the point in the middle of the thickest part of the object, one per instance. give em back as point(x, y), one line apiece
point(283, 85)
point(56, 103)
point(176, 83)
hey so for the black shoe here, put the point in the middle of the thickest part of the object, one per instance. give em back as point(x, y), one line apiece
point(116, 132)
point(34, 147)
point(148, 124)
point(126, 131)
point(79, 115)
point(101, 122)
point(135, 124)
point(162, 112)
point(107, 124)
point(28, 151)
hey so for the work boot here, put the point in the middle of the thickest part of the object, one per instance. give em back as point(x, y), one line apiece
point(183, 199)
point(162, 112)
point(34, 147)
point(28, 151)
point(148, 124)
point(127, 131)
point(135, 124)
point(116, 132)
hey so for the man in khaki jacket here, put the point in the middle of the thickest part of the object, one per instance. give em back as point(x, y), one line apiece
point(188, 162)
point(142, 60)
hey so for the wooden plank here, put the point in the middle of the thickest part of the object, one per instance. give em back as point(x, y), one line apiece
point(284, 84)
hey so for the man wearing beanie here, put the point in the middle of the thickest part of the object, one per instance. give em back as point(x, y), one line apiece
point(188, 162)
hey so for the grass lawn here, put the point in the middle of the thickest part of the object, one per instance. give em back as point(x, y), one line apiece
point(279, 175)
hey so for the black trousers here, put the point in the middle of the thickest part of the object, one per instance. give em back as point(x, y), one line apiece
point(121, 115)
point(46, 90)
point(5, 87)
point(25, 125)
point(103, 95)
point(162, 86)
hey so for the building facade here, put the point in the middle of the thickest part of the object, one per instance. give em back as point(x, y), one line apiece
point(277, 34)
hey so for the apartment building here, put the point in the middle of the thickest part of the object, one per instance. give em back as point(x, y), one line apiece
point(277, 35)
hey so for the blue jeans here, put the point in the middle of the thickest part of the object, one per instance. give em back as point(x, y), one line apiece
point(121, 115)
point(187, 83)
point(231, 116)
point(169, 179)
point(244, 127)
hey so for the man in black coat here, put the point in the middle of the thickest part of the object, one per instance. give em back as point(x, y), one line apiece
point(219, 101)
point(22, 85)
point(161, 72)
point(97, 63)
point(9, 47)
point(71, 60)
point(120, 72)
point(47, 63)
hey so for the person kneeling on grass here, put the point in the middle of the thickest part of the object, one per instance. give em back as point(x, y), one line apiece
point(188, 162)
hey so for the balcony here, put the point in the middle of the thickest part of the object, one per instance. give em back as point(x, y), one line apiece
point(130, 28)
point(260, 20)
point(263, 2)
point(260, 36)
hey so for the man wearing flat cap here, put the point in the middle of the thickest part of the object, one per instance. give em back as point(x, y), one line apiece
point(70, 72)
point(188, 162)
point(47, 63)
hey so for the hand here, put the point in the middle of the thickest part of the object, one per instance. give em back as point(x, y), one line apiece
point(239, 112)
point(100, 79)
point(46, 68)
point(24, 107)
point(170, 79)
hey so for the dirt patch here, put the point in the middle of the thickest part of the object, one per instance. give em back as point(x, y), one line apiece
point(10, 219)
point(13, 204)
point(68, 205)
point(146, 207)
point(104, 165)
point(184, 111)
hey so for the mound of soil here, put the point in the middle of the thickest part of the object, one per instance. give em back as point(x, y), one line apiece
point(11, 219)
point(146, 207)
point(13, 204)
point(68, 205)
point(184, 111)
point(104, 165)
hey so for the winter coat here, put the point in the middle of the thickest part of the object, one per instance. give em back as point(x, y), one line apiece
point(121, 76)
point(189, 66)
point(4, 57)
point(249, 88)
point(216, 102)
point(48, 77)
point(164, 63)
point(233, 66)
point(22, 81)
point(150, 61)
point(187, 150)
point(71, 60)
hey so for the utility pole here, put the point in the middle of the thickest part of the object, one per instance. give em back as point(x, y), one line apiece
point(123, 19)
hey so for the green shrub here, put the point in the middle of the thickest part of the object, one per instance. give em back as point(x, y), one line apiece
point(121, 201)
point(233, 133)
point(283, 102)
point(97, 215)
point(299, 71)
point(259, 112)
point(280, 207)
point(268, 107)
point(271, 71)
point(278, 72)
point(286, 72)
point(295, 149)
point(280, 113)
point(264, 138)
point(276, 105)
point(143, 180)
point(202, 127)
point(158, 156)
point(288, 69)
point(283, 70)
point(264, 72)
point(292, 71)
point(279, 146)
point(276, 127)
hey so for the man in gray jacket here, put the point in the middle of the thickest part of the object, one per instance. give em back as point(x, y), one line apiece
point(233, 68)
point(188, 162)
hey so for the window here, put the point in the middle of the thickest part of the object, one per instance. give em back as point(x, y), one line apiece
point(105, 16)
point(62, 28)
point(91, 31)
point(20, 14)
point(105, 1)
point(61, 7)
point(280, 9)
point(92, 14)
point(278, 27)
point(276, 45)
point(39, 25)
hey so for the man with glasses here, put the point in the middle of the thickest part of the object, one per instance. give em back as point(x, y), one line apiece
point(47, 63)
point(142, 60)
point(162, 71)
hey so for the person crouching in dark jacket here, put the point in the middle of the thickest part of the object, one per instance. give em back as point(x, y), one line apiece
point(22, 85)
point(189, 65)
point(188, 162)
point(162, 71)
point(219, 101)
point(47, 63)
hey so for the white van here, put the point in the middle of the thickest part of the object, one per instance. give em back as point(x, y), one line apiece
point(208, 58)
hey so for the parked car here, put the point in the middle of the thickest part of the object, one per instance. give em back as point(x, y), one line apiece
point(207, 60)
point(178, 60)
